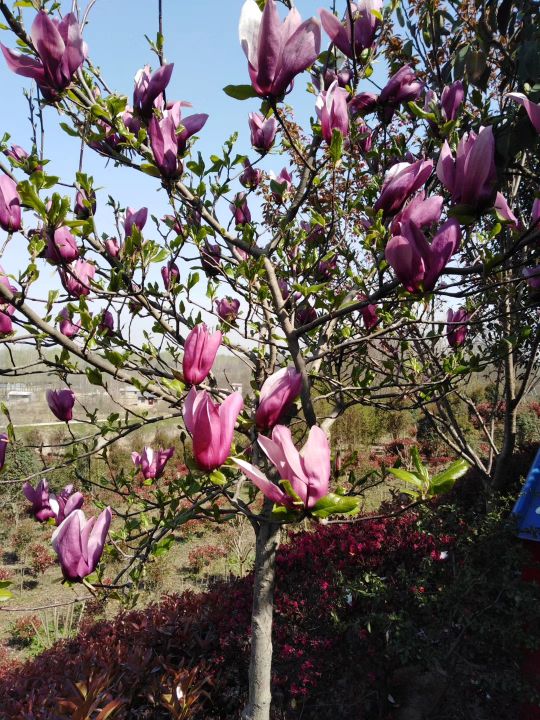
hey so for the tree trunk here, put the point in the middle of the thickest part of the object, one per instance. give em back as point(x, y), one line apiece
point(260, 665)
point(502, 466)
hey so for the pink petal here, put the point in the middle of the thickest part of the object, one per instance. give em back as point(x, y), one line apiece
point(269, 490)
point(532, 109)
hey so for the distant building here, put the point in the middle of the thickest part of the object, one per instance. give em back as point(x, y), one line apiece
point(21, 396)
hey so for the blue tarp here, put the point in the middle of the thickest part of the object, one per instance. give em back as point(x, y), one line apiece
point(527, 508)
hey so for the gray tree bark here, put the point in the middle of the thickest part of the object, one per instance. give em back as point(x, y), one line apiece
point(260, 667)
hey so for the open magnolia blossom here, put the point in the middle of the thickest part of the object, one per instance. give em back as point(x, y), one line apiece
point(353, 39)
point(470, 176)
point(46, 505)
point(79, 543)
point(418, 263)
point(276, 51)
point(307, 471)
point(152, 462)
point(61, 51)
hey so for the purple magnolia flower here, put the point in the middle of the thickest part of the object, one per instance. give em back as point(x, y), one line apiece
point(152, 464)
point(164, 144)
point(369, 313)
point(149, 87)
point(10, 205)
point(240, 209)
point(85, 205)
point(61, 403)
point(532, 109)
point(17, 153)
point(276, 51)
point(450, 103)
point(417, 263)
point(277, 393)
point(61, 51)
point(326, 269)
point(174, 224)
point(307, 471)
point(170, 274)
point(39, 497)
point(106, 323)
point(135, 218)
point(535, 212)
point(331, 108)
point(400, 182)
point(323, 81)
point(190, 126)
point(211, 259)
point(46, 505)
point(504, 211)
point(76, 278)
point(200, 350)
point(3, 447)
point(421, 211)
point(61, 246)
point(532, 275)
point(6, 323)
point(363, 103)
point(471, 177)
point(281, 185)
point(353, 40)
point(457, 327)
point(6, 310)
point(65, 503)
point(250, 177)
point(211, 426)
point(304, 315)
point(112, 247)
point(170, 136)
point(227, 309)
point(314, 233)
point(402, 87)
point(67, 327)
point(364, 138)
point(263, 131)
point(79, 543)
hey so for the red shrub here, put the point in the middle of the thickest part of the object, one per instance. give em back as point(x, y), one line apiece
point(210, 631)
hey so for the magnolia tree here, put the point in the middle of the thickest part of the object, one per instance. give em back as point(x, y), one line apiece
point(392, 257)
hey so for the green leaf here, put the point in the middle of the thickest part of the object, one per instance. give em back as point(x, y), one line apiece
point(150, 170)
point(5, 595)
point(444, 481)
point(163, 546)
point(283, 514)
point(218, 478)
point(333, 504)
point(240, 92)
point(420, 469)
point(336, 146)
point(288, 489)
point(407, 476)
point(417, 111)
point(94, 376)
